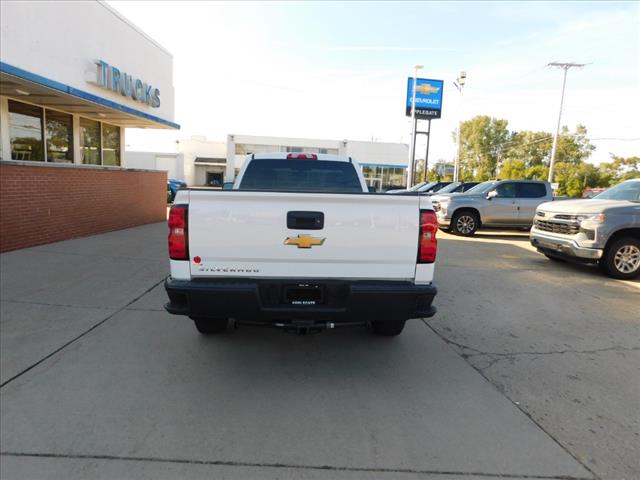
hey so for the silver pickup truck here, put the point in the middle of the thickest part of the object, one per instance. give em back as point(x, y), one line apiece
point(505, 204)
point(604, 230)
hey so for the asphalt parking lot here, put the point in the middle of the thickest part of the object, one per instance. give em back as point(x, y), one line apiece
point(530, 369)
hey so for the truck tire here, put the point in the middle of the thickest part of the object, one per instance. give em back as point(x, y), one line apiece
point(621, 258)
point(465, 223)
point(388, 328)
point(209, 326)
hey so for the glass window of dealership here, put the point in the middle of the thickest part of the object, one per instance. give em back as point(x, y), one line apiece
point(384, 177)
point(42, 134)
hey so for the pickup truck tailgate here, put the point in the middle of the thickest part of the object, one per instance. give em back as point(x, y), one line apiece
point(245, 234)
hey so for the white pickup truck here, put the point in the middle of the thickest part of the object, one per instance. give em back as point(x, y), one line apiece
point(300, 243)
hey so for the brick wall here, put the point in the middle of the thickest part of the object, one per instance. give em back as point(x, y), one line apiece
point(43, 203)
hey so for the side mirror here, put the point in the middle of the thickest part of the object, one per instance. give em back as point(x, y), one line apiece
point(227, 186)
point(492, 194)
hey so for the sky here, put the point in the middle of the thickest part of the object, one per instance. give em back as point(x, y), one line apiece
point(339, 70)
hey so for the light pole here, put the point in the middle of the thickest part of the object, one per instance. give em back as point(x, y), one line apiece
point(459, 83)
point(412, 145)
point(554, 148)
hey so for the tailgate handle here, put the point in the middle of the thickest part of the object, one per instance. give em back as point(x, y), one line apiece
point(305, 220)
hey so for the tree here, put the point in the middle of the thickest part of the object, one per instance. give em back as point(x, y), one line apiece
point(534, 148)
point(480, 142)
point(620, 169)
point(527, 156)
point(513, 168)
point(488, 150)
point(573, 178)
point(574, 147)
point(537, 172)
point(419, 175)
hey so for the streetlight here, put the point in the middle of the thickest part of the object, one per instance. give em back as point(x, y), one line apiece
point(412, 146)
point(459, 83)
point(565, 67)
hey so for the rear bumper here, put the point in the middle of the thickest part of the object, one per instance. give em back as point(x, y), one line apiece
point(262, 300)
point(565, 247)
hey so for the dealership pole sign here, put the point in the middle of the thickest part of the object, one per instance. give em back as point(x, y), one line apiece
point(114, 79)
point(428, 98)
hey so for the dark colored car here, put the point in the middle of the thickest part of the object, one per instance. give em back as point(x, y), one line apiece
point(172, 188)
point(428, 188)
point(432, 187)
point(457, 187)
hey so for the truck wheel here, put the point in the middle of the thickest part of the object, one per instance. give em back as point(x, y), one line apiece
point(388, 328)
point(622, 258)
point(465, 223)
point(208, 326)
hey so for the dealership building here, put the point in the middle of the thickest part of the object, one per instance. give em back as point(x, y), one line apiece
point(73, 76)
point(200, 162)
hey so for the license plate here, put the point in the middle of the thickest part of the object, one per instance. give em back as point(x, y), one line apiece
point(303, 294)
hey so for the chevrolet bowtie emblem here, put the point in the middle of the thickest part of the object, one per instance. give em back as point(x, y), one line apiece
point(426, 89)
point(304, 241)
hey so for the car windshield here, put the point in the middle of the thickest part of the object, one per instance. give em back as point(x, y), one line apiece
point(417, 186)
point(629, 191)
point(425, 187)
point(482, 187)
point(449, 188)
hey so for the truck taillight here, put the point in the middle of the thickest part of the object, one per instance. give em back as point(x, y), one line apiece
point(428, 245)
point(178, 233)
point(302, 156)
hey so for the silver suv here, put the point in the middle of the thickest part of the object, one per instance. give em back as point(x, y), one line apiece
point(504, 204)
point(604, 229)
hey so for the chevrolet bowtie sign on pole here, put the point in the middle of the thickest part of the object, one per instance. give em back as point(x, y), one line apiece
point(428, 98)
point(428, 105)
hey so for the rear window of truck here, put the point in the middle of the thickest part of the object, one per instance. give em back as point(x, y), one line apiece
point(293, 175)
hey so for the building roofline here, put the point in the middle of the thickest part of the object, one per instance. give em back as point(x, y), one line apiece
point(120, 16)
point(303, 139)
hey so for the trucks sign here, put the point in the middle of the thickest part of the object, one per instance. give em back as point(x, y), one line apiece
point(428, 98)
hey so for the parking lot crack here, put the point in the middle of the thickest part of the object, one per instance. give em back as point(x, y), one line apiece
point(78, 337)
point(24, 302)
point(456, 344)
point(468, 352)
point(495, 357)
point(330, 468)
point(557, 352)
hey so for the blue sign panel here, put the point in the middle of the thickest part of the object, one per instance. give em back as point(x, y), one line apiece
point(428, 97)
